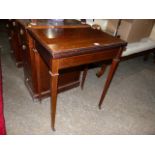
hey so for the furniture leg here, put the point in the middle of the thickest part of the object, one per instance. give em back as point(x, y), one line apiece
point(54, 91)
point(101, 71)
point(108, 81)
point(84, 77)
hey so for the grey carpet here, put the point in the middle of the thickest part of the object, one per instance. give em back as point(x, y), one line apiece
point(129, 106)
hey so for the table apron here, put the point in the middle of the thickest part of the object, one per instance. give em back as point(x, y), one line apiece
point(87, 58)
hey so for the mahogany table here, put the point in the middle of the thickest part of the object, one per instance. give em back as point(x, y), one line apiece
point(65, 48)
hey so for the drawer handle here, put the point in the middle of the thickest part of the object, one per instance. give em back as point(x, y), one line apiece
point(97, 44)
point(24, 47)
point(7, 25)
point(21, 32)
point(14, 23)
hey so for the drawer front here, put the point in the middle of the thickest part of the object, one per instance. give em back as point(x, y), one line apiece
point(22, 35)
point(88, 58)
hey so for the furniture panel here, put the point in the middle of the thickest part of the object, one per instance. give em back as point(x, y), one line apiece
point(87, 58)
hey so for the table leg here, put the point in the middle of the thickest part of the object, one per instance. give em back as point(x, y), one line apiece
point(84, 77)
point(108, 81)
point(101, 71)
point(113, 68)
point(54, 91)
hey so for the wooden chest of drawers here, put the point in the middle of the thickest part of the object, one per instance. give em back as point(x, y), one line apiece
point(14, 39)
point(68, 78)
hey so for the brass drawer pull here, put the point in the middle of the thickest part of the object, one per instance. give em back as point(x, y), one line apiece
point(21, 32)
point(14, 23)
point(24, 47)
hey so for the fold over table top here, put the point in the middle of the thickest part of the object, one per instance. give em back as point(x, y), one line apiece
point(70, 42)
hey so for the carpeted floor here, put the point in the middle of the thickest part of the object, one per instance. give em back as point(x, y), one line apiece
point(129, 107)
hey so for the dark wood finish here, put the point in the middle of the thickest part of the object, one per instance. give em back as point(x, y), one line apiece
point(75, 47)
point(72, 45)
point(36, 74)
point(84, 77)
point(14, 39)
point(102, 70)
point(9, 28)
point(13, 27)
point(54, 89)
point(113, 68)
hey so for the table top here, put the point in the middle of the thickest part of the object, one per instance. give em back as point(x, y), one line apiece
point(52, 23)
point(70, 42)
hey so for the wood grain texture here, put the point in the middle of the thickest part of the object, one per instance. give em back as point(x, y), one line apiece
point(70, 42)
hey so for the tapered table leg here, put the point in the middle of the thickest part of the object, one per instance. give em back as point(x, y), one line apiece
point(108, 81)
point(84, 77)
point(101, 71)
point(54, 91)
